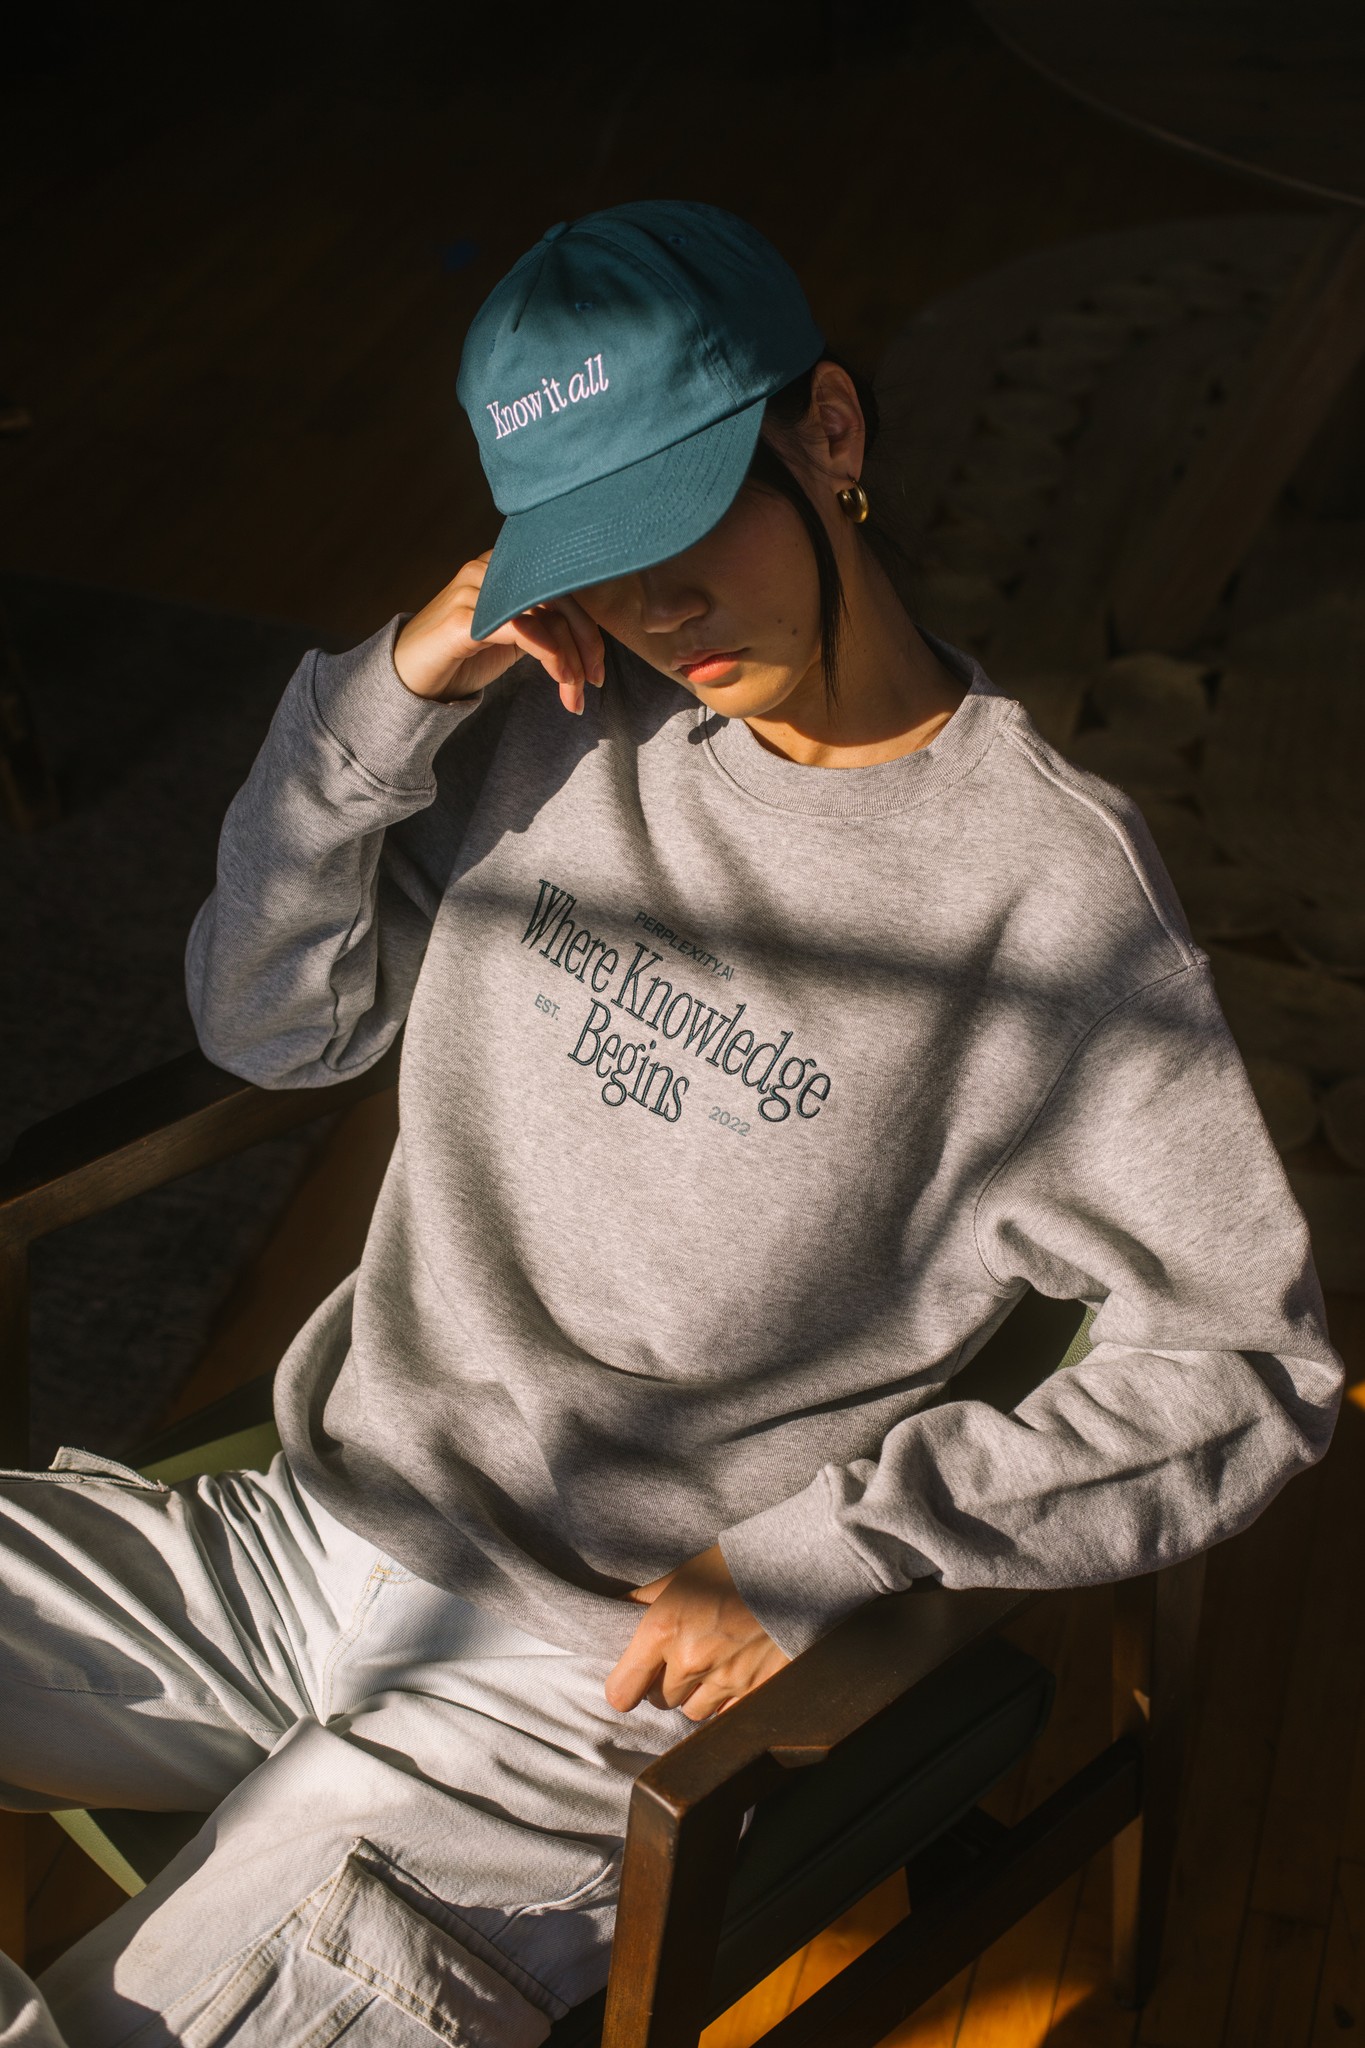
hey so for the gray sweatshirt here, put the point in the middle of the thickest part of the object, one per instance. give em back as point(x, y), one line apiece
point(740, 1101)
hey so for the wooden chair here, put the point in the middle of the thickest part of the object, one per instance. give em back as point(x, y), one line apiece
point(865, 1755)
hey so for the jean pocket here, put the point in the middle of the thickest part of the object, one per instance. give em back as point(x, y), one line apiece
point(426, 1962)
point(357, 1958)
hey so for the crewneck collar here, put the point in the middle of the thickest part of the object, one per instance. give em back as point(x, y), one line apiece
point(880, 787)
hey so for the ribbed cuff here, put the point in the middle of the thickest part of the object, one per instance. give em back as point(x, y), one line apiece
point(391, 733)
point(793, 1569)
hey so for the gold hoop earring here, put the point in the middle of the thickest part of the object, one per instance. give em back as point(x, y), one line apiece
point(853, 501)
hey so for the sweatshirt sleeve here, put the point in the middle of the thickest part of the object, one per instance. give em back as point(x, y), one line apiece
point(1147, 1186)
point(301, 964)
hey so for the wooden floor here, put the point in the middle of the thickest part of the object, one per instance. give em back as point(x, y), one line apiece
point(237, 292)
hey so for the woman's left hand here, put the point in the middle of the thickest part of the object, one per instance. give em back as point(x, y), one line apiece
point(698, 1647)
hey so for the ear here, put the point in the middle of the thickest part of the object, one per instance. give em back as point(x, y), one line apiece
point(838, 430)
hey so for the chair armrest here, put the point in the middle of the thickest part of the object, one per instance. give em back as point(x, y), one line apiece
point(687, 1807)
point(161, 1124)
point(840, 1685)
point(138, 1135)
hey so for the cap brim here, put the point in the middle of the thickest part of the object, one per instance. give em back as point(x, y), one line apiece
point(637, 516)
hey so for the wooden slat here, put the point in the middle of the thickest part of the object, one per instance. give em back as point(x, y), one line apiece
point(1277, 1983)
point(1016, 1980)
point(1014, 1986)
point(1085, 2013)
point(770, 2000)
point(917, 1955)
point(149, 1130)
point(1250, 1615)
point(1293, 1898)
point(803, 1973)
point(1156, 1634)
point(1049, 1631)
point(1353, 1804)
point(1305, 1811)
point(1340, 2012)
point(938, 2022)
point(852, 1935)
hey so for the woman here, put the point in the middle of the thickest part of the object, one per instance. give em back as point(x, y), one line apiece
point(772, 1021)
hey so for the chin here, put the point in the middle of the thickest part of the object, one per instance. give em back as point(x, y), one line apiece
point(746, 697)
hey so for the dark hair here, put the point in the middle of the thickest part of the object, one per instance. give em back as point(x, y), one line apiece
point(768, 471)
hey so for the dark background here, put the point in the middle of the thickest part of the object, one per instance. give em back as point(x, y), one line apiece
point(241, 245)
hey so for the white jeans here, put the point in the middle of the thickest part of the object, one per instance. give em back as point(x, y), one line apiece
point(416, 1810)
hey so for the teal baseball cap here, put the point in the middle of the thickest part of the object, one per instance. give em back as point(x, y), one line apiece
point(615, 380)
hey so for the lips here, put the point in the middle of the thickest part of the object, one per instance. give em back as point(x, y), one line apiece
point(711, 654)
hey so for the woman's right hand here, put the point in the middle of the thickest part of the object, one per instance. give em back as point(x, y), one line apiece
point(436, 657)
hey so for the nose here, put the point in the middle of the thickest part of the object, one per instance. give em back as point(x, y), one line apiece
point(666, 601)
